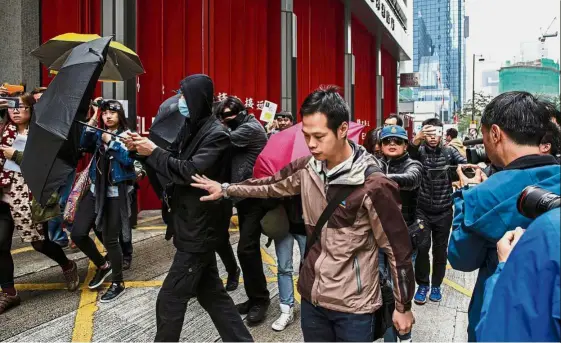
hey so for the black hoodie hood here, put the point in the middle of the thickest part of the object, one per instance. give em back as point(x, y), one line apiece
point(198, 91)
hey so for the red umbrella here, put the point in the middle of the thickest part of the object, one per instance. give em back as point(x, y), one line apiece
point(287, 146)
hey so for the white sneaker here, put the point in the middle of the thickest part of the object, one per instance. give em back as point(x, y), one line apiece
point(286, 318)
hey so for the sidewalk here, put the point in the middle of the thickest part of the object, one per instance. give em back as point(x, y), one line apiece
point(50, 313)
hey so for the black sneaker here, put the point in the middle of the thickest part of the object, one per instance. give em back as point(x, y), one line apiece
point(233, 281)
point(257, 312)
point(243, 308)
point(99, 277)
point(115, 290)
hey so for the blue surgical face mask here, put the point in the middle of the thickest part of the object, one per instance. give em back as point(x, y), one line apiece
point(183, 109)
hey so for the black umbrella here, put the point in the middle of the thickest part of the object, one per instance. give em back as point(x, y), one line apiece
point(167, 123)
point(52, 149)
point(165, 128)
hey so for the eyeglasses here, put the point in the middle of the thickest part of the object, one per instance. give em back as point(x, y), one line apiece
point(395, 140)
point(21, 108)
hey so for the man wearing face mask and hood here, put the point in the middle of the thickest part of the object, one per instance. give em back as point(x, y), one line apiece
point(248, 139)
point(200, 148)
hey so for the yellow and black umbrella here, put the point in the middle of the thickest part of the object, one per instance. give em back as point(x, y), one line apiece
point(122, 63)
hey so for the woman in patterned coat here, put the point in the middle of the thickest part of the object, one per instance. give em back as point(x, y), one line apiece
point(15, 206)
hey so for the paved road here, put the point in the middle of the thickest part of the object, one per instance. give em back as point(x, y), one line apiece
point(50, 313)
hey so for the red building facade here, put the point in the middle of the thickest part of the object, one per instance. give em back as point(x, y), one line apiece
point(238, 44)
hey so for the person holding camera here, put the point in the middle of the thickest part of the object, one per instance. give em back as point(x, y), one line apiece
point(108, 201)
point(434, 206)
point(513, 125)
point(529, 261)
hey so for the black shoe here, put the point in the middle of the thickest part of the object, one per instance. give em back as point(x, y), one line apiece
point(127, 264)
point(99, 278)
point(233, 281)
point(243, 308)
point(115, 290)
point(257, 312)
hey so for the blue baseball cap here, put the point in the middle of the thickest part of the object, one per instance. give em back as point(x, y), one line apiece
point(394, 131)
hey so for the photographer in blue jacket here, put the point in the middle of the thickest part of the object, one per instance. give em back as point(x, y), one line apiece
point(522, 298)
point(513, 125)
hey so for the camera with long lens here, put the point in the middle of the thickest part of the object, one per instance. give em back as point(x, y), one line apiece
point(535, 201)
point(476, 154)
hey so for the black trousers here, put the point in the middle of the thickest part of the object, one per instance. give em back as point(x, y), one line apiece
point(250, 213)
point(126, 247)
point(439, 225)
point(46, 247)
point(112, 226)
point(196, 275)
point(223, 246)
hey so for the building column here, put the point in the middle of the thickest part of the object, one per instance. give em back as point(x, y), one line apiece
point(289, 85)
point(118, 19)
point(349, 62)
point(19, 35)
point(379, 82)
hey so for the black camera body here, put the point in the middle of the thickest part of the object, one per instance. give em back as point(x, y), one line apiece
point(476, 154)
point(535, 201)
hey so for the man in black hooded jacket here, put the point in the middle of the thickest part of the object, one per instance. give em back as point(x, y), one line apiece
point(248, 140)
point(199, 149)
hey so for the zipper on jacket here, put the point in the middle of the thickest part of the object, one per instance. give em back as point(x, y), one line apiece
point(356, 267)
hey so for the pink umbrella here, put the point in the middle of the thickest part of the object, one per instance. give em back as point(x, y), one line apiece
point(287, 146)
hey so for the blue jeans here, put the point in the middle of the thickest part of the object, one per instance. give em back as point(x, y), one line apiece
point(322, 325)
point(284, 249)
point(56, 233)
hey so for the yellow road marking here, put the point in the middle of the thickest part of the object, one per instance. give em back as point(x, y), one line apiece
point(20, 250)
point(128, 284)
point(149, 219)
point(83, 324)
point(269, 261)
point(296, 293)
point(156, 227)
point(457, 287)
point(40, 286)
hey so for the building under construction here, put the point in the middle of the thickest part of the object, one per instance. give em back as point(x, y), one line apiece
point(539, 77)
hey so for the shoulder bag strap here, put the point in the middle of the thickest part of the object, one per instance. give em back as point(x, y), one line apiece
point(341, 195)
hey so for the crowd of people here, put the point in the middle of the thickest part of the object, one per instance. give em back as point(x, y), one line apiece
point(364, 217)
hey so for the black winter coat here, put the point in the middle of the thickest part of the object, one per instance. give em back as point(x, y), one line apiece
point(248, 140)
point(408, 174)
point(200, 148)
point(435, 195)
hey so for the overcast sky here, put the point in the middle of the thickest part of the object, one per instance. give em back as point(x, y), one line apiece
point(497, 27)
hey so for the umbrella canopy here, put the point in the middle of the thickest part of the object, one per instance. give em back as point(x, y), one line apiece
point(165, 128)
point(51, 152)
point(122, 63)
point(167, 123)
point(287, 146)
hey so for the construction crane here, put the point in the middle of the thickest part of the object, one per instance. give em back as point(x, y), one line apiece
point(545, 34)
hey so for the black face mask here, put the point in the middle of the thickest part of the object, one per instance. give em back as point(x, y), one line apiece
point(237, 121)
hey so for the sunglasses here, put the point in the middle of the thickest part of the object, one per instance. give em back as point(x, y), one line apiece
point(395, 140)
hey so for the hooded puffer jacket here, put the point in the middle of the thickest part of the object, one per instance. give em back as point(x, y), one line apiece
point(435, 195)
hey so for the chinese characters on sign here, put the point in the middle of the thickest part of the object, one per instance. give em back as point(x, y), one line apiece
point(249, 102)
